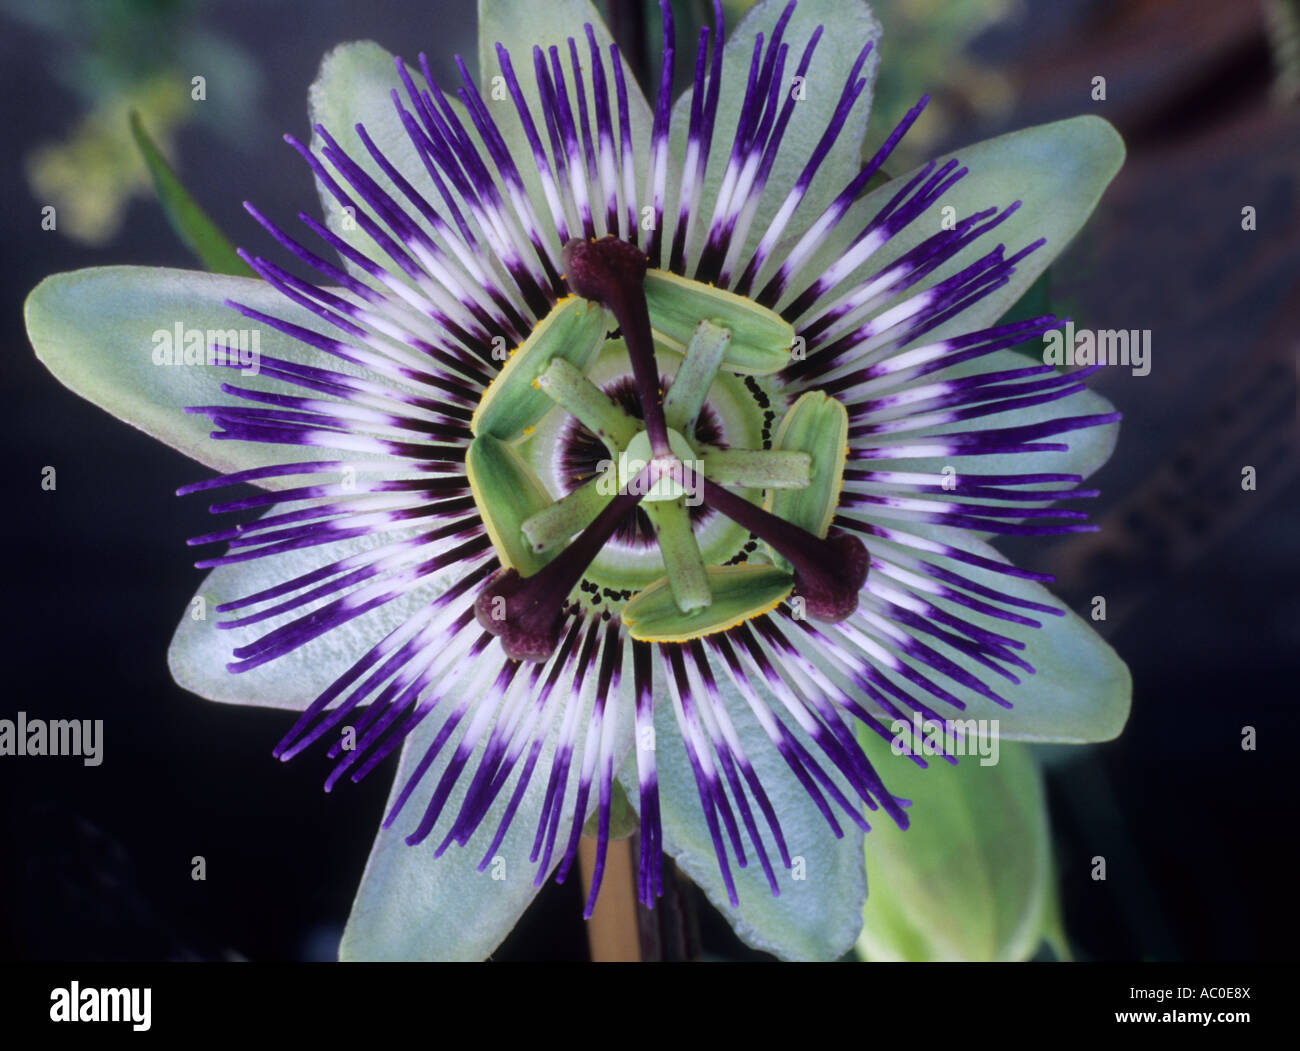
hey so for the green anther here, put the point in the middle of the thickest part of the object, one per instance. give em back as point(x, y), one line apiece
point(757, 468)
point(740, 593)
point(592, 407)
point(572, 513)
point(681, 554)
point(506, 493)
point(514, 403)
point(638, 453)
point(818, 425)
point(761, 340)
point(695, 376)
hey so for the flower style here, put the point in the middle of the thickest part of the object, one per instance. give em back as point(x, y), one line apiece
point(628, 445)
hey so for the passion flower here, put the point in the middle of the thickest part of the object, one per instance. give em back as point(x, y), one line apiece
point(629, 443)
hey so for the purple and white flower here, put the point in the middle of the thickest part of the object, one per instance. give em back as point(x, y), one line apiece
point(356, 585)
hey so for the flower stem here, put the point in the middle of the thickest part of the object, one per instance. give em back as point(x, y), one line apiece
point(613, 930)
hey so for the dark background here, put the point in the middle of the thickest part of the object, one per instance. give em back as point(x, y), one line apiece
point(1202, 579)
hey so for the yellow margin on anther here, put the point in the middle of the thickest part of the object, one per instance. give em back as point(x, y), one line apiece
point(663, 583)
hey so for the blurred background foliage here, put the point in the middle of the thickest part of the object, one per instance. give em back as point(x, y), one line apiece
point(119, 57)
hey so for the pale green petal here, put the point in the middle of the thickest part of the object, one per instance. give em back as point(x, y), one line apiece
point(1088, 448)
point(1081, 689)
point(1057, 171)
point(848, 26)
point(817, 916)
point(969, 879)
point(95, 330)
point(521, 25)
point(200, 650)
point(353, 87)
point(411, 906)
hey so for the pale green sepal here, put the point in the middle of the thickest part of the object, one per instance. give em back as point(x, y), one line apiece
point(412, 906)
point(200, 650)
point(108, 333)
point(353, 86)
point(819, 911)
point(847, 25)
point(1081, 690)
point(1056, 171)
point(1087, 448)
point(521, 25)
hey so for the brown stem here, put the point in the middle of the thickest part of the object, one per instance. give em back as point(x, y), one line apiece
point(612, 930)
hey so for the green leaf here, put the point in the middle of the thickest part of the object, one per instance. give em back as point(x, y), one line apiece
point(970, 877)
point(98, 330)
point(412, 906)
point(739, 593)
point(196, 231)
point(200, 650)
point(1057, 171)
point(847, 26)
point(816, 917)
